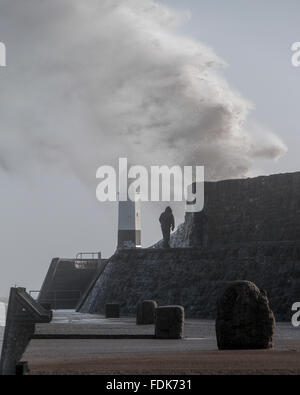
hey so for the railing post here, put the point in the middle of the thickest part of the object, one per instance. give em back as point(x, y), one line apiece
point(22, 314)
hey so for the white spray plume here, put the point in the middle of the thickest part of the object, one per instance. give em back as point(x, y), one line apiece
point(90, 81)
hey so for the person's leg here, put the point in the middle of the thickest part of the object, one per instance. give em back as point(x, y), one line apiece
point(166, 235)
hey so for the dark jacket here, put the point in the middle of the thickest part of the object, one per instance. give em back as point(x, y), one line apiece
point(167, 220)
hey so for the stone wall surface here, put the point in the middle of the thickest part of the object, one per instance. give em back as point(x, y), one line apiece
point(248, 210)
point(249, 230)
point(194, 278)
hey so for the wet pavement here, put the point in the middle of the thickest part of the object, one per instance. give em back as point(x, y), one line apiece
point(196, 354)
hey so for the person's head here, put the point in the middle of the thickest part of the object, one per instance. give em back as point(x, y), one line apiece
point(168, 210)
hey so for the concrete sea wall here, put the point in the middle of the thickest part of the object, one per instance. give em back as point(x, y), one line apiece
point(249, 230)
point(194, 278)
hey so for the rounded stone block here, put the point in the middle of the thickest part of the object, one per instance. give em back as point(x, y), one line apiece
point(112, 310)
point(169, 322)
point(146, 312)
point(244, 318)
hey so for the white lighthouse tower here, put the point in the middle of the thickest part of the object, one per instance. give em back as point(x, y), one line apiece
point(129, 230)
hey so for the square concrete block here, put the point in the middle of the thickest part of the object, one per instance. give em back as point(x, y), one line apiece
point(169, 322)
point(146, 312)
point(112, 310)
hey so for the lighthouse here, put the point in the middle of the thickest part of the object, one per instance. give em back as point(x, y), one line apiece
point(129, 229)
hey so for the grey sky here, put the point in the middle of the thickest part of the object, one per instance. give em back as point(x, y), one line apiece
point(48, 206)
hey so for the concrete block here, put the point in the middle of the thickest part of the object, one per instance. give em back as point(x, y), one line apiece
point(146, 312)
point(169, 322)
point(112, 310)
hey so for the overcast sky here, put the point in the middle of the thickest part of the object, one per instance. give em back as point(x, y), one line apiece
point(211, 83)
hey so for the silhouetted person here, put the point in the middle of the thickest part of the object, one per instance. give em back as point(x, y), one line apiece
point(167, 223)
